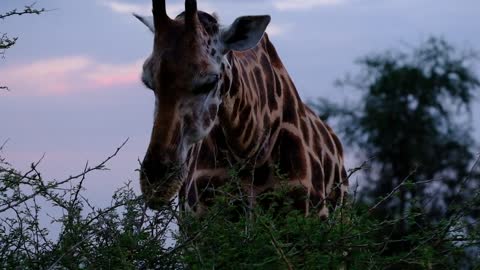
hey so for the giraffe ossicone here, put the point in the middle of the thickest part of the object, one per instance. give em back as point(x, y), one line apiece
point(223, 97)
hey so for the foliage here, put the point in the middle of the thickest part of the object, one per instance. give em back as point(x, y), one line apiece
point(122, 236)
point(231, 235)
point(414, 120)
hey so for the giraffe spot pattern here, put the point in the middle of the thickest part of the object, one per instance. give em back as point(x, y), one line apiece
point(292, 159)
point(335, 192)
point(327, 169)
point(289, 109)
point(305, 131)
point(326, 136)
point(338, 145)
point(317, 175)
point(260, 85)
point(274, 58)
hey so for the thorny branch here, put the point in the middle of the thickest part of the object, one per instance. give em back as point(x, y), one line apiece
point(7, 42)
point(402, 184)
point(277, 247)
point(362, 166)
point(27, 10)
point(32, 177)
point(22, 233)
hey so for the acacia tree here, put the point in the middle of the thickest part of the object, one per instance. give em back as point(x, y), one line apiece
point(414, 119)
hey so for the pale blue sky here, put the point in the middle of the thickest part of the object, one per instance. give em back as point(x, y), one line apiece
point(74, 72)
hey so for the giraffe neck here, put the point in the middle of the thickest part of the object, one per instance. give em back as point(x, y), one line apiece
point(250, 115)
point(264, 127)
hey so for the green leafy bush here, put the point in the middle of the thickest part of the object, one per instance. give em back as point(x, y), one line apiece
point(231, 235)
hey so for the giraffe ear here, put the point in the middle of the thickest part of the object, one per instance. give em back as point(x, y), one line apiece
point(147, 20)
point(245, 33)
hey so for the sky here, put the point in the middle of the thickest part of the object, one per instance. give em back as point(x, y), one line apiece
point(74, 73)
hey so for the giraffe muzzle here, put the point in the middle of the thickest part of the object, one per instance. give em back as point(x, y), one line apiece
point(160, 182)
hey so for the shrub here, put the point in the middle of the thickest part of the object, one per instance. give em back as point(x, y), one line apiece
point(231, 235)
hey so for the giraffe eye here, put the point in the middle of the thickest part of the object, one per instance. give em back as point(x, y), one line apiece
point(209, 85)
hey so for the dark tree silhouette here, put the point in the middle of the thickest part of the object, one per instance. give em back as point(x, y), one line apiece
point(414, 119)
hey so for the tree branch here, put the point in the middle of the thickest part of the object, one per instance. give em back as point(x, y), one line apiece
point(6, 42)
point(44, 187)
point(402, 184)
point(27, 10)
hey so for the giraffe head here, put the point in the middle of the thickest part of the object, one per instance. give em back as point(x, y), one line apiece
point(186, 72)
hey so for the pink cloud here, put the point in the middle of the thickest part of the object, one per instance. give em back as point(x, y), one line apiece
point(121, 75)
point(61, 76)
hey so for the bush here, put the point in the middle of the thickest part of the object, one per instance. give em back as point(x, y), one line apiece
point(232, 235)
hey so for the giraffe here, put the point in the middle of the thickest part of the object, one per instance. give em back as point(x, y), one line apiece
point(223, 97)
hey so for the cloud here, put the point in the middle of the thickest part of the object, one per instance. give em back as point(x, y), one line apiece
point(275, 30)
point(173, 9)
point(304, 4)
point(125, 8)
point(60, 76)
